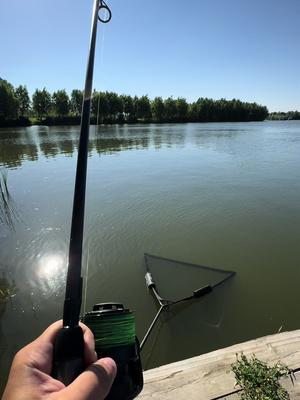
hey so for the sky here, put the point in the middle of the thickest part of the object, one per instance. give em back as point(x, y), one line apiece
point(199, 48)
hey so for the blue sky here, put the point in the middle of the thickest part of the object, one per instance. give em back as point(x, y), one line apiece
point(198, 48)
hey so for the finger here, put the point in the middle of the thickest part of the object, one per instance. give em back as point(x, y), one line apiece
point(89, 345)
point(51, 332)
point(49, 335)
point(94, 383)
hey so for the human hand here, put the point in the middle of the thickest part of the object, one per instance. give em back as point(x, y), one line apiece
point(30, 379)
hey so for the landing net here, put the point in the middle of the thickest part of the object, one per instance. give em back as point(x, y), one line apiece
point(175, 280)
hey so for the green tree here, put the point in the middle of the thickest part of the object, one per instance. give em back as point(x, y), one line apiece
point(95, 103)
point(128, 105)
point(8, 101)
point(135, 108)
point(76, 101)
point(61, 102)
point(143, 108)
point(158, 108)
point(170, 108)
point(100, 101)
point(103, 106)
point(23, 100)
point(115, 103)
point(205, 110)
point(193, 112)
point(182, 108)
point(41, 102)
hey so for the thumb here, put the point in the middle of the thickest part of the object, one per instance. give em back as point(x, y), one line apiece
point(94, 383)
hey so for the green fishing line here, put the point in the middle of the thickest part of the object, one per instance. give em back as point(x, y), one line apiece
point(111, 330)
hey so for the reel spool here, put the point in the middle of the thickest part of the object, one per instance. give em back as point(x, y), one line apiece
point(113, 327)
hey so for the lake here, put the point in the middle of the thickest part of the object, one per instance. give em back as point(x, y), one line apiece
point(225, 195)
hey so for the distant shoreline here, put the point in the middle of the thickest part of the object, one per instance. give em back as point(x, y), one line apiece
point(58, 108)
point(75, 121)
point(24, 124)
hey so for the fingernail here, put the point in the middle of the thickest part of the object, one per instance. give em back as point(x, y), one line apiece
point(110, 364)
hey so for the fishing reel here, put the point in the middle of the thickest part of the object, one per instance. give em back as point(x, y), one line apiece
point(113, 327)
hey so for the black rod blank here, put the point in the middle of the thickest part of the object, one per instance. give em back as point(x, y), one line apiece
point(73, 295)
point(68, 353)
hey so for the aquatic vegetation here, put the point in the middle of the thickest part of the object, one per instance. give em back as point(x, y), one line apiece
point(8, 212)
point(258, 380)
point(8, 290)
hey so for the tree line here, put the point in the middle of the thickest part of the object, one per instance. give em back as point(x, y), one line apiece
point(284, 116)
point(110, 107)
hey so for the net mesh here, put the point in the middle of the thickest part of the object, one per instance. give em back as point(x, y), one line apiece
point(175, 280)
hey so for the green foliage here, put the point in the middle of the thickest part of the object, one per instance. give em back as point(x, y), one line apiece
point(41, 102)
point(94, 104)
point(8, 101)
point(259, 381)
point(135, 106)
point(170, 108)
point(128, 105)
point(76, 102)
point(109, 104)
point(115, 104)
point(143, 108)
point(283, 116)
point(115, 108)
point(23, 100)
point(182, 108)
point(209, 110)
point(103, 107)
point(158, 109)
point(61, 103)
point(7, 290)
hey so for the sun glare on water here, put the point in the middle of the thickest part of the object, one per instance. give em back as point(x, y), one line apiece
point(51, 270)
point(51, 265)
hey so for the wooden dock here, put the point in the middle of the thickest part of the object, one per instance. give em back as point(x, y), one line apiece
point(209, 376)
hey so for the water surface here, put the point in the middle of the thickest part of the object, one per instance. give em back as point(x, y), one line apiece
point(223, 195)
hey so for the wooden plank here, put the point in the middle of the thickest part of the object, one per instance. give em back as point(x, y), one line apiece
point(292, 388)
point(209, 376)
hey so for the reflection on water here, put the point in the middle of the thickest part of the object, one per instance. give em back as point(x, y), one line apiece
point(23, 144)
point(16, 147)
point(30, 143)
point(223, 195)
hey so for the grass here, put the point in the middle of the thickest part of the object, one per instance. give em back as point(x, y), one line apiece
point(8, 213)
point(258, 380)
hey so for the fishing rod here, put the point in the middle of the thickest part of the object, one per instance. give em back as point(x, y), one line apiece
point(112, 324)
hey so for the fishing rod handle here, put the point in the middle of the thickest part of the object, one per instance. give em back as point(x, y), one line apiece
point(68, 355)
